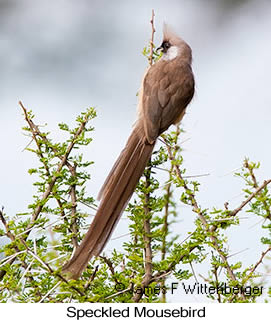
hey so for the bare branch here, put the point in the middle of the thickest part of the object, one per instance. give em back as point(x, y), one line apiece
point(244, 203)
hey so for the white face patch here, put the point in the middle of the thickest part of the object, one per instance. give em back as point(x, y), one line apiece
point(171, 53)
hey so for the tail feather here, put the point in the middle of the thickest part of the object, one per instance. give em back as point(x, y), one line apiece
point(115, 194)
point(124, 199)
point(123, 160)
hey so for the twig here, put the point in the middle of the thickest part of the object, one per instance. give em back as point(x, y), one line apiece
point(3, 220)
point(25, 272)
point(199, 175)
point(119, 293)
point(256, 185)
point(194, 274)
point(55, 259)
point(152, 38)
point(11, 257)
point(252, 175)
point(10, 260)
point(40, 227)
point(159, 276)
point(48, 268)
point(237, 253)
point(244, 203)
point(91, 277)
point(217, 283)
point(50, 291)
point(36, 131)
point(120, 236)
point(258, 263)
point(110, 266)
point(88, 205)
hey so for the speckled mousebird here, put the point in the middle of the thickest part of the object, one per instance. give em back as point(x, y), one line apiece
point(167, 88)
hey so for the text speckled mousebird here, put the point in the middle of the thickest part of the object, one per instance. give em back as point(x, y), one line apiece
point(167, 88)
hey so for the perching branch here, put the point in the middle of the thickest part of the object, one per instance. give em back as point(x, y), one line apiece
point(152, 38)
point(146, 221)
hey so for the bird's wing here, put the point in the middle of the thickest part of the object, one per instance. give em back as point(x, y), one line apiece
point(168, 88)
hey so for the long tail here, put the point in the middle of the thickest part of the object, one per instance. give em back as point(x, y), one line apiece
point(115, 194)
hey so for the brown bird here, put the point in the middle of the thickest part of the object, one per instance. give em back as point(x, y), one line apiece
point(167, 88)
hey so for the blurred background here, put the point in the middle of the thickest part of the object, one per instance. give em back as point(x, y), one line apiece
point(62, 56)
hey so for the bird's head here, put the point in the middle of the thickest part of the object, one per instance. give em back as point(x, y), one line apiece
point(173, 45)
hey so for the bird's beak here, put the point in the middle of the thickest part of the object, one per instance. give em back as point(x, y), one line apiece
point(160, 48)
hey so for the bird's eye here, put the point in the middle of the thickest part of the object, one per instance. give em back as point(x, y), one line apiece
point(166, 45)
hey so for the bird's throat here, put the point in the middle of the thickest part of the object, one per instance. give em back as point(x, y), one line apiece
point(171, 53)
